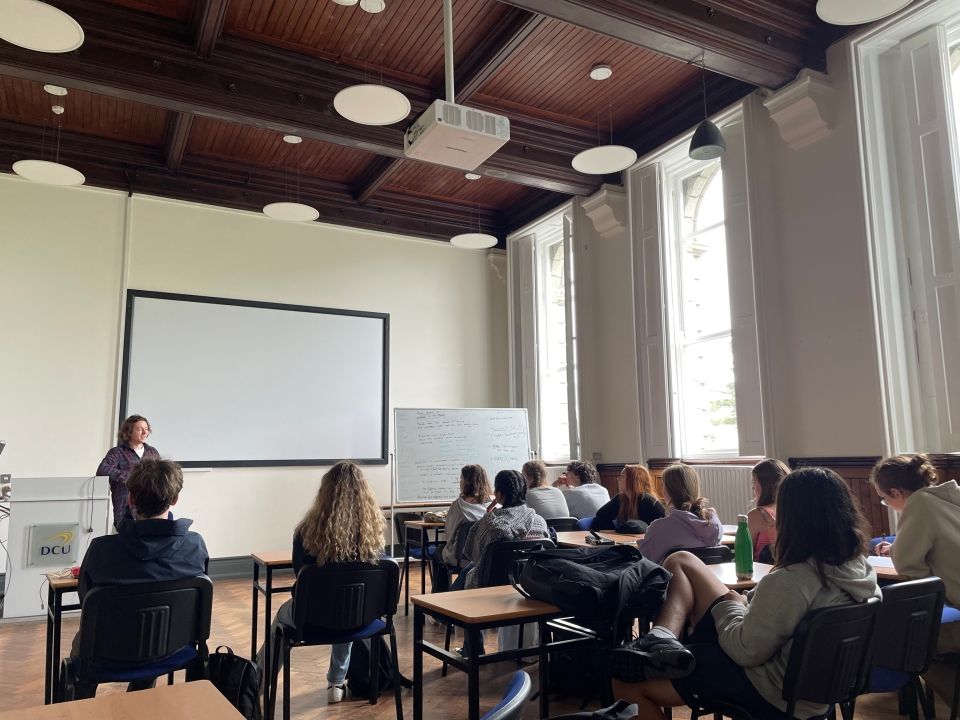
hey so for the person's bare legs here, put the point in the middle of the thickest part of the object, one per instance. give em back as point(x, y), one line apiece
point(693, 588)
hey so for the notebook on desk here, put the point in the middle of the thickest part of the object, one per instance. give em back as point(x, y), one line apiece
point(880, 562)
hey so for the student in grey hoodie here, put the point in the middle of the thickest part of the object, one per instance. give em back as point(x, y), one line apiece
point(739, 646)
point(468, 508)
point(690, 524)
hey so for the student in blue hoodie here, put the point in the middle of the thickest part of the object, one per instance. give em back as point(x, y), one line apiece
point(154, 547)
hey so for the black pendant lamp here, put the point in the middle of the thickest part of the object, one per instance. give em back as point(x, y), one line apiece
point(707, 142)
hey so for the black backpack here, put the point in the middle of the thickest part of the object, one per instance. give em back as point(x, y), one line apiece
point(598, 586)
point(238, 680)
point(358, 671)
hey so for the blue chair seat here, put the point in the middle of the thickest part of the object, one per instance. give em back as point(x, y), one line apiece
point(883, 680)
point(416, 552)
point(324, 636)
point(585, 523)
point(949, 615)
point(120, 672)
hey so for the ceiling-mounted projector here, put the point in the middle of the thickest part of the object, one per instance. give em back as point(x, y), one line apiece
point(455, 135)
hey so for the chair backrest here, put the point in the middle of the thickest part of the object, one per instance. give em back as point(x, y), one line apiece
point(499, 559)
point(514, 699)
point(345, 596)
point(830, 657)
point(716, 555)
point(399, 518)
point(563, 524)
point(143, 622)
point(461, 538)
point(908, 625)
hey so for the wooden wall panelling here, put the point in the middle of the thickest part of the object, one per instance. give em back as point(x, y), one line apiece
point(856, 472)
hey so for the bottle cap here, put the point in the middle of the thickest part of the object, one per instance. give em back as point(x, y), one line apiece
point(741, 518)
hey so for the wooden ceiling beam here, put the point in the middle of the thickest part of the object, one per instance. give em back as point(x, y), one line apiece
point(686, 30)
point(135, 168)
point(252, 84)
point(175, 143)
point(208, 16)
point(375, 177)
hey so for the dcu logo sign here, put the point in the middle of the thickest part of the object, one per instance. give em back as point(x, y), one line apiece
point(53, 544)
point(58, 544)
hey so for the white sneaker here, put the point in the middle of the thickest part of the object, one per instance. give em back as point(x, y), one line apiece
point(335, 693)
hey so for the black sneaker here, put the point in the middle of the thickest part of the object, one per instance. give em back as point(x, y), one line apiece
point(650, 658)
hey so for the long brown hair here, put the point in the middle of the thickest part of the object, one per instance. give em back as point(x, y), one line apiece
point(476, 484)
point(636, 481)
point(817, 519)
point(681, 483)
point(904, 472)
point(769, 473)
point(126, 428)
point(345, 523)
point(535, 473)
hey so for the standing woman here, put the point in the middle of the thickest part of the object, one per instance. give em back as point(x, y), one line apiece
point(344, 525)
point(635, 501)
point(762, 519)
point(119, 461)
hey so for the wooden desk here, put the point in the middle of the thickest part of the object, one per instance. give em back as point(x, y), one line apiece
point(270, 562)
point(57, 587)
point(577, 538)
point(183, 701)
point(886, 573)
point(424, 527)
point(476, 610)
point(727, 573)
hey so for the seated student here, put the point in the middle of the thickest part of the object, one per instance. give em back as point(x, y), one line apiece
point(762, 519)
point(927, 541)
point(472, 504)
point(582, 489)
point(513, 520)
point(739, 646)
point(635, 501)
point(547, 502)
point(344, 525)
point(690, 524)
point(154, 547)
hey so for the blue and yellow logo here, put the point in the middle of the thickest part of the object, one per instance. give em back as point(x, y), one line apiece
point(57, 544)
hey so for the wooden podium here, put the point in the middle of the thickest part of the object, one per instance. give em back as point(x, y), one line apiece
point(52, 521)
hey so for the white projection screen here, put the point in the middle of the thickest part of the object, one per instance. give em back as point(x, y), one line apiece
point(238, 383)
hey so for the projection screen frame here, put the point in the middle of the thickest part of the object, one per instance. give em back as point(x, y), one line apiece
point(385, 404)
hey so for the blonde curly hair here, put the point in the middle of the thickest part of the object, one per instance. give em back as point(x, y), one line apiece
point(345, 523)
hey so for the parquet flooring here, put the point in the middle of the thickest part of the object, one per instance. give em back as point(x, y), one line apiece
point(21, 670)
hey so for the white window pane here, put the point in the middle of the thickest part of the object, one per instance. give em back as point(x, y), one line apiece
point(704, 283)
point(708, 401)
point(554, 414)
point(955, 84)
point(702, 199)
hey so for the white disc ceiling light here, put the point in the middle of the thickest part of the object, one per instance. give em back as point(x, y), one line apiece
point(287, 210)
point(50, 172)
point(857, 12)
point(372, 104)
point(34, 25)
point(604, 159)
point(473, 241)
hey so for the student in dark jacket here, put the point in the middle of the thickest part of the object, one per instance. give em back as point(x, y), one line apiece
point(155, 547)
point(636, 500)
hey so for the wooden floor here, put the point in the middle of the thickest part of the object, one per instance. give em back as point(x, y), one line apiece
point(21, 670)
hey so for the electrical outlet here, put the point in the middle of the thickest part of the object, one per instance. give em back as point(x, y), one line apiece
point(5, 478)
point(597, 457)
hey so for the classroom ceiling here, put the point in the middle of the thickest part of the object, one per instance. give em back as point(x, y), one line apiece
point(190, 98)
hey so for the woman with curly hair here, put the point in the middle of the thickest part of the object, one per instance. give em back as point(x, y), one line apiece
point(119, 461)
point(344, 525)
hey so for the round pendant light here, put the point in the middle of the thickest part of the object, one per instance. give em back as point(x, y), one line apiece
point(34, 25)
point(857, 12)
point(707, 142)
point(291, 212)
point(373, 6)
point(604, 159)
point(473, 241)
point(48, 173)
point(372, 104)
point(472, 176)
point(346, 2)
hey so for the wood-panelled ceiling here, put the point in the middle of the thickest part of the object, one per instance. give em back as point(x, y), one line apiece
point(191, 98)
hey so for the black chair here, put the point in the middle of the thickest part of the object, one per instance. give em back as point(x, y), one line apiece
point(460, 538)
point(498, 560)
point(340, 603)
point(516, 696)
point(906, 640)
point(716, 555)
point(563, 524)
point(135, 633)
point(951, 615)
point(829, 662)
point(414, 546)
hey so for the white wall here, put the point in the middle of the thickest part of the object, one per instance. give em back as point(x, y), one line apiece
point(60, 285)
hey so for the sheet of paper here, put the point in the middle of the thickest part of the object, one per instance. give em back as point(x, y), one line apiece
point(876, 561)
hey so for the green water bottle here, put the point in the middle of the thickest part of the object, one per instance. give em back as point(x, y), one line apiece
point(743, 550)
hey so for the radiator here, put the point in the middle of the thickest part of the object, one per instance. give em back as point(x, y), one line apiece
point(554, 472)
point(729, 489)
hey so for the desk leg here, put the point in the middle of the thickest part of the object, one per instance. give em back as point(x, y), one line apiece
point(55, 669)
point(417, 663)
point(255, 615)
point(473, 672)
point(267, 620)
point(424, 542)
point(544, 674)
point(406, 576)
point(48, 664)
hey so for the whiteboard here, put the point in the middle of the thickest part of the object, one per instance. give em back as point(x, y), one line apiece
point(240, 383)
point(432, 444)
